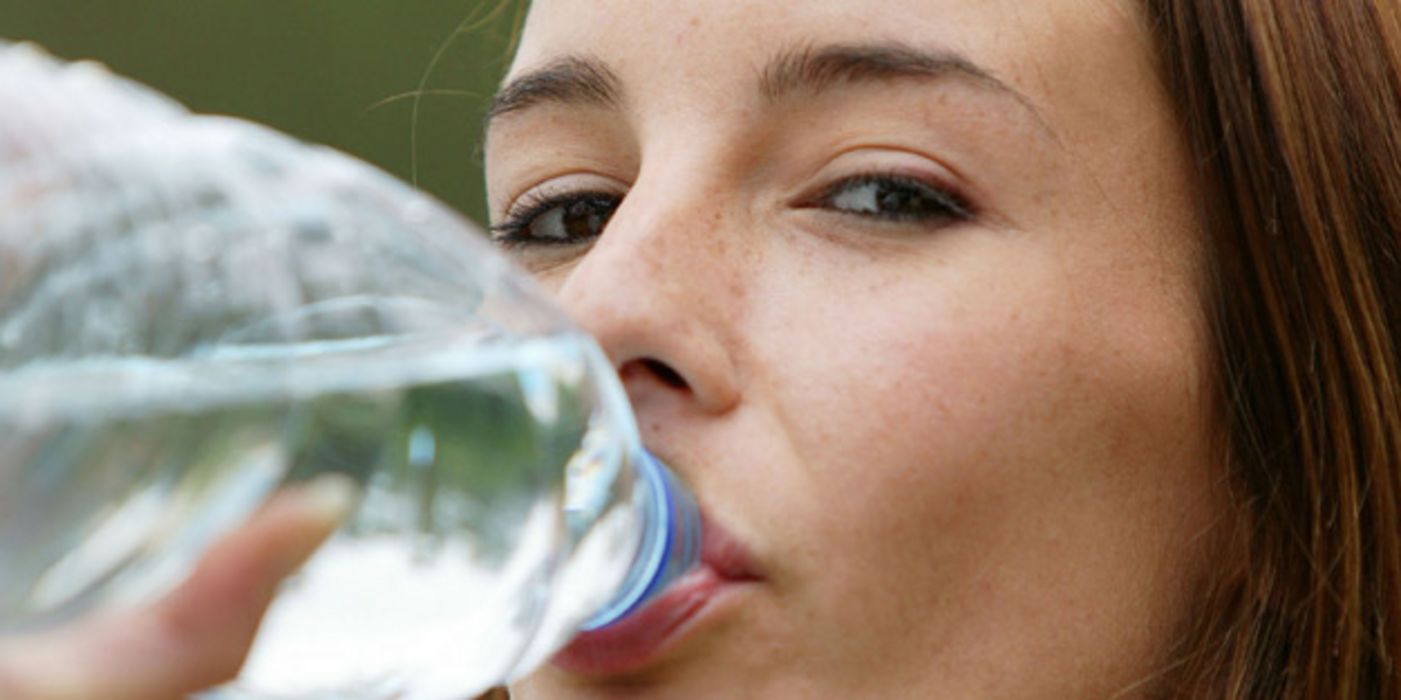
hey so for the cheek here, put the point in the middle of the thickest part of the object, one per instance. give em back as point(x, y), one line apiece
point(905, 406)
point(918, 386)
point(982, 442)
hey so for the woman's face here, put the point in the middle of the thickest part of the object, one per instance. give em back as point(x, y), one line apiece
point(909, 292)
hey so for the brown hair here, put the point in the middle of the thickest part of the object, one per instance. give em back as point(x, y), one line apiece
point(1292, 109)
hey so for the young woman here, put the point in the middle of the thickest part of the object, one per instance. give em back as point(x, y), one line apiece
point(1029, 350)
point(1019, 350)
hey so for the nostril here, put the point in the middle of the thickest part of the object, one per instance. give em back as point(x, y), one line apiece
point(664, 372)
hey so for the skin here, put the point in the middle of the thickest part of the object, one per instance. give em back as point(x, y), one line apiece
point(195, 637)
point(971, 457)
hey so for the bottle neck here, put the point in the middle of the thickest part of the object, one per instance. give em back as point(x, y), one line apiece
point(670, 544)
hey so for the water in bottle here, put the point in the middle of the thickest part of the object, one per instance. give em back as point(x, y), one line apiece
point(196, 311)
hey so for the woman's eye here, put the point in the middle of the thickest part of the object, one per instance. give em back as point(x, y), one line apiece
point(557, 220)
point(893, 198)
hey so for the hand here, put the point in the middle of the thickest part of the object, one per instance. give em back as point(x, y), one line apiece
point(198, 635)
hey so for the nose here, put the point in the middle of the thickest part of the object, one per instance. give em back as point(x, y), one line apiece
point(660, 290)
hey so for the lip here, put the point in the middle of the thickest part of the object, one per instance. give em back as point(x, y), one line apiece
point(643, 637)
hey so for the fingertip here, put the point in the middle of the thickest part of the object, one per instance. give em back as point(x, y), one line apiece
point(217, 610)
point(197, 636)
point(324, 502)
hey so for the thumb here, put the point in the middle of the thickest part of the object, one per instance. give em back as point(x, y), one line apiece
point(199, 634)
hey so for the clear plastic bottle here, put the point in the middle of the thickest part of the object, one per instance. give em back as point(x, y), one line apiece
point(195, 311)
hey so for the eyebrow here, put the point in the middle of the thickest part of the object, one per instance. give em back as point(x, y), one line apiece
point(817, 69)
point(574, 79)
point(587, 80)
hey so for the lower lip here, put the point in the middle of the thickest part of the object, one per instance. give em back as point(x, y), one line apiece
point(637, 640)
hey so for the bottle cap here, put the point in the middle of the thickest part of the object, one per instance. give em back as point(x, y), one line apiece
point(671, 542)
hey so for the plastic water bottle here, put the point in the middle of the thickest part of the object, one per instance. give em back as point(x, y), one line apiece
point(195, 311)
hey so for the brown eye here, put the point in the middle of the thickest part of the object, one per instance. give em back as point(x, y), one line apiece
point(893, 198)
point(558, 220)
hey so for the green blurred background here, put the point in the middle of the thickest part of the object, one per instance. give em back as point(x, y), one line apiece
point(338, 72)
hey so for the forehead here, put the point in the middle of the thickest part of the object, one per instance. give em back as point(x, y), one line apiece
point(1068, 56)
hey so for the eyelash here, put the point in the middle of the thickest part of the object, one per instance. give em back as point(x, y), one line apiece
point(511, 233)
point(949, 207)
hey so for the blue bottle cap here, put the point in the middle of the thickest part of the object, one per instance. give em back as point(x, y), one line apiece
point(671, 543)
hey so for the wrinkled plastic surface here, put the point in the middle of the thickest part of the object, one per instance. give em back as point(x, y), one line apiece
point(195, 310)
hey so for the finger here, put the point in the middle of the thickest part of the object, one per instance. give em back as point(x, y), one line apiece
point(198, 635)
